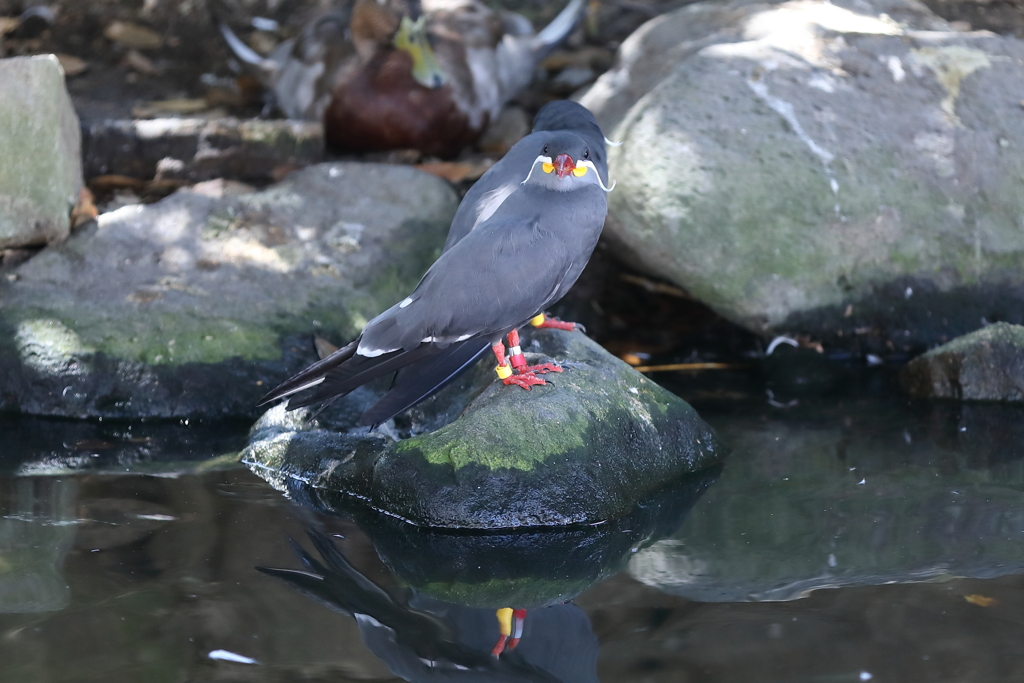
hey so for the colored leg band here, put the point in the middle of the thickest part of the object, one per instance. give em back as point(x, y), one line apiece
point(503, 371)
point(518, 360)
point(537, 320)
point(520, 618)
point(505, 620)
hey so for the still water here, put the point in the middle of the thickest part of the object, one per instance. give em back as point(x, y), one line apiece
point(850, 536)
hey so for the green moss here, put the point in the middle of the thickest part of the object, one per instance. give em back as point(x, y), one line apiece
point(522, 593)
point(498, 438)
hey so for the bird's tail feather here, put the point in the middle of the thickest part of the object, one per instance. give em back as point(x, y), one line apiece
point(340, 565)
point(560, 27)
point(244, 53)
point(312, 375)
point(358, 370)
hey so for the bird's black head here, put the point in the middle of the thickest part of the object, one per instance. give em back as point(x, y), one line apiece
point(565, 115)
point(564, 162)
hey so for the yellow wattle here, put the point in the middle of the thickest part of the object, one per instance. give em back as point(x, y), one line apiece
point(547, 168)
point(579, 171)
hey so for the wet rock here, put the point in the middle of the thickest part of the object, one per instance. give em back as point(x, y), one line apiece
point(514, 567)
point(582, 450)
point(196, 305)
point(849, 171)
point(987, 365)
point(201, 149)
point(40, 149)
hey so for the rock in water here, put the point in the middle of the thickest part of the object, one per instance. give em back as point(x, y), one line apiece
point(987, 365)
point(40, 152)
point(849, 171)
point(196, 305)
point(581, 451)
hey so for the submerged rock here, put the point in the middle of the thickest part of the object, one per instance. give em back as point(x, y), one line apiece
point(196, 305)
point(582, 449)
point(987, 365)
point(849, 171)
point(40, 152)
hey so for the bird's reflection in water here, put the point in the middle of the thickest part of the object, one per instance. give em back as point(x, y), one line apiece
point(481, 607)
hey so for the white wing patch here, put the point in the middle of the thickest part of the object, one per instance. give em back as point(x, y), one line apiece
point(408, 300)
point(372, 353)
point(491, 201)
point(429, 340)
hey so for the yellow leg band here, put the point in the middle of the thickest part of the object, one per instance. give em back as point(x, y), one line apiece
point(537, 320)
point(503, 371)
point(505, 620)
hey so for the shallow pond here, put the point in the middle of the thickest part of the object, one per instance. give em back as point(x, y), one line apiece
point(851, 535)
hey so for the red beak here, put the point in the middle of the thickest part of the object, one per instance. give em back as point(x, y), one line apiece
point(563, 165)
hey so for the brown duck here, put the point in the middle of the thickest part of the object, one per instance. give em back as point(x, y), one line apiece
point(405, 74)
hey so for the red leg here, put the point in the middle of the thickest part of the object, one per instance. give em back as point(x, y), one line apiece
point(541, 320)
point(504, 616)
point(524, 380)
point(519, 360)
point(518, 617)
point(525, 374)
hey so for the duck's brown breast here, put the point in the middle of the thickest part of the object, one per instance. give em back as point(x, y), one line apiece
point(379, 106)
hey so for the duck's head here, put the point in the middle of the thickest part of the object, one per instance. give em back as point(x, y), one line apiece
point(400, 25)
point(564, 163)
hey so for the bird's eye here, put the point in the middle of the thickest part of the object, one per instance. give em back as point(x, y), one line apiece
point(586, 154)
point(545, 150)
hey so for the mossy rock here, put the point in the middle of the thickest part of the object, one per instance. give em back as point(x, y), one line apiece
point(525, 568)
point(194, 306)
point(875, 207)
point(583, 449)
point(987, 365)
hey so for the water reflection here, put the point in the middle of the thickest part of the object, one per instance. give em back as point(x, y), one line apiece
point(486, 607)
point(851, 492)
point(37, 518)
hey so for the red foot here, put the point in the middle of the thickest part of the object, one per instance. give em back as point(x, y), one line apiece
point(542, 368)
point(560, 325)
point(524, 380)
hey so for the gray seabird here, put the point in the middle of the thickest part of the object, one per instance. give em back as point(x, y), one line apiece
point(503, 272)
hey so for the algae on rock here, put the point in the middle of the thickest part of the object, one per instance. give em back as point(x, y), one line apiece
point(822, 169)
point(583, 449)
point(986, 365)
point(196, 305)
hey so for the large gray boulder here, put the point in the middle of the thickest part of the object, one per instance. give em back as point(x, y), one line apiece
point(848, 170)
point(584, 449)
point(40, 152)
point(197, 305)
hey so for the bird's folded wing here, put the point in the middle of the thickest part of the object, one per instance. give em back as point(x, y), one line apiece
point(420, 380)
